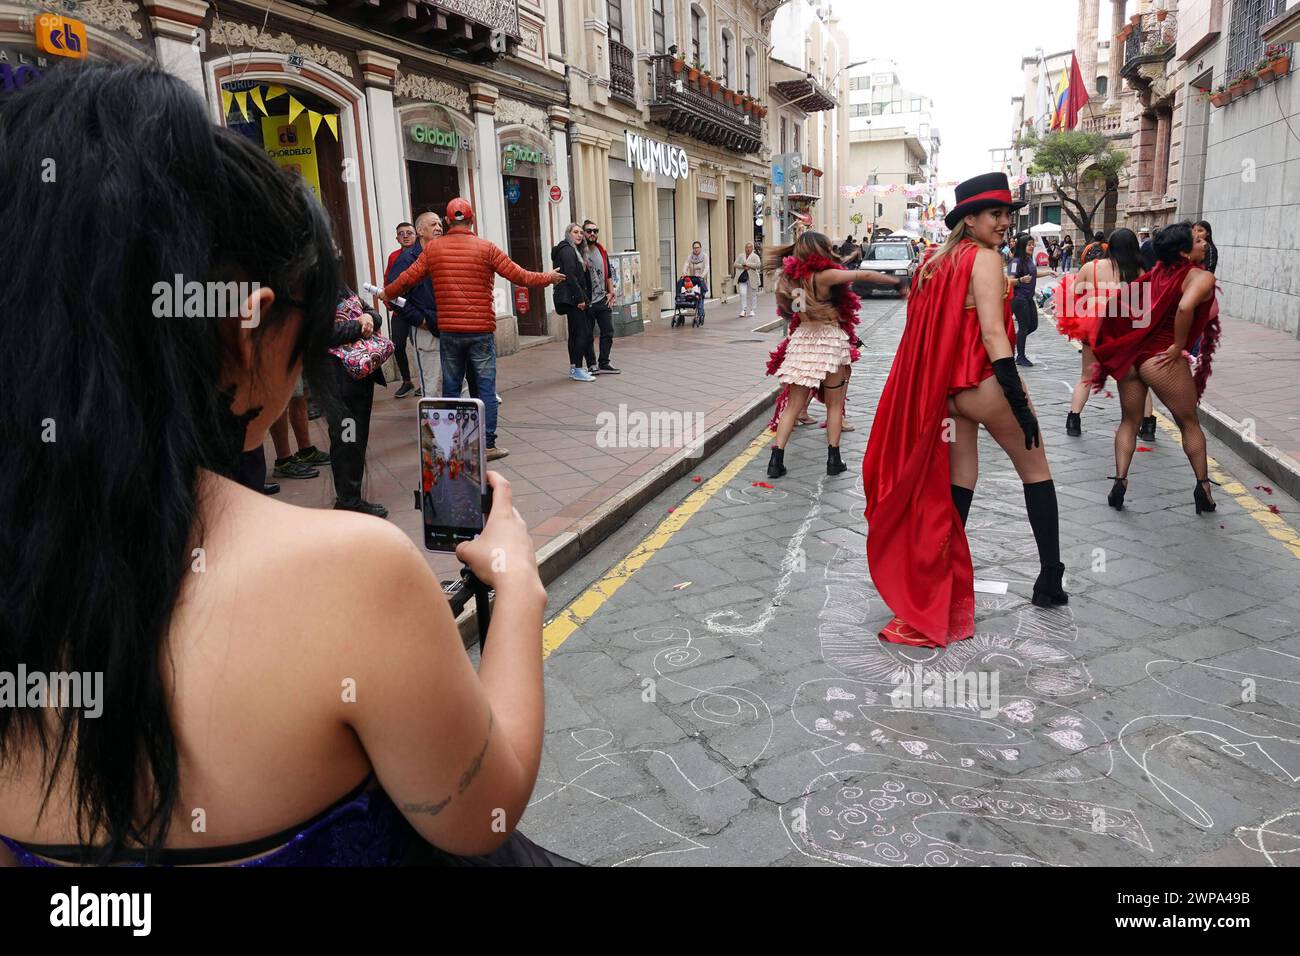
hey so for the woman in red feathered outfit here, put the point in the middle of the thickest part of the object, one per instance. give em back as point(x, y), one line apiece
point(1148, 352)
point(954, 371)
point(813, 289)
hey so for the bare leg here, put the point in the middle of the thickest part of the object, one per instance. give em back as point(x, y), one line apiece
point(803, 409)
point(964, 455)
point(833, 388)
point(280, 436)
point(1132, 394)
point(986, 405)
point(1148, 410)
point(1084, 385)
point(1174, 386)
point(798, 399)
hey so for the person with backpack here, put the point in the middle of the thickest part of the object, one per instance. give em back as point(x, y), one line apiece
point(1094, 250)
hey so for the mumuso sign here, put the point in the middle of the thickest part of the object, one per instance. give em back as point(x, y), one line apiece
point(652, 156)
point(440, 138)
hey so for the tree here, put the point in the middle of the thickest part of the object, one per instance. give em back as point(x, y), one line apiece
point(1075, 160)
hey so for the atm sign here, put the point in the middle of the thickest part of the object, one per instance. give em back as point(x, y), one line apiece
point(60, 36)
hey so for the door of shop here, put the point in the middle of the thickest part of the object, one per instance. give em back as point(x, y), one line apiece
point(432, 186)
point(524, 245)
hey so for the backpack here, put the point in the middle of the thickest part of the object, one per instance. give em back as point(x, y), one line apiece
point(1095, 250)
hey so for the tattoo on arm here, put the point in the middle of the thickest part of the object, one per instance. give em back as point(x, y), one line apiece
point(467, 778)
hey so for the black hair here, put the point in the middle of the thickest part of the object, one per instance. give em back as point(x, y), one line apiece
point(1125, 252)
point(1020, 253)
point(97, 526)
point(1172, 240)
point(1209, 231)
point(1098, 236)
point(401, 224)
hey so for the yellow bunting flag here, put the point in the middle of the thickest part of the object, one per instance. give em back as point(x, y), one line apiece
point(313, 119)
point(257, 98)
point(227, 98)
point(241, 100)
point(294, 108)
point(273, 91)
point(332, 121)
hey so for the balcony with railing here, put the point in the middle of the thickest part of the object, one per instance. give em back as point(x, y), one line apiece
point(693, 107)
point(622, 82)
point(470, 29)
point(806, 187)
point(799, 88)
point(1150, 43)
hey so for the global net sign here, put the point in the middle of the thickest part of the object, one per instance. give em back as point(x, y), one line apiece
point(652, 156)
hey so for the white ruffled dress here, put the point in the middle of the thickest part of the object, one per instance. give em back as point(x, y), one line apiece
point(815, 350)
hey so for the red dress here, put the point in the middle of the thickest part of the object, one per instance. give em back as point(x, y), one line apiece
point(916, 546)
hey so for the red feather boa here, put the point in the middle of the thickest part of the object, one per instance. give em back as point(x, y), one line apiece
point(847, 304)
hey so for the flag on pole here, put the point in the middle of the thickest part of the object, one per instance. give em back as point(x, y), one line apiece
point(1071, 97)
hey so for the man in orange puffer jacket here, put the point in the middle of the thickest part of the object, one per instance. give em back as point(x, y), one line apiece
point(461, 267)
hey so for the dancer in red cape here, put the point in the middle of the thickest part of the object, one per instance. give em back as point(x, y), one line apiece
point(1149, 353)
point(954, 371)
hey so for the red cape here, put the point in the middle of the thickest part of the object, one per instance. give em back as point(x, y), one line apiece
point(1121, 339)
point(916, 546)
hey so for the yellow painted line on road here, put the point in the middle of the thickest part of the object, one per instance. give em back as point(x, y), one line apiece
point(582, 609)
point(1274, 524)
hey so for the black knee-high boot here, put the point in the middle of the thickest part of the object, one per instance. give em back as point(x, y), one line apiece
point(1040, 502)
point(961, 499)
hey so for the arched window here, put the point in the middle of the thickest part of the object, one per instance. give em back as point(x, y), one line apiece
point(725, 60)
point(751, 70)
point(1102, 83)
point(699, 42)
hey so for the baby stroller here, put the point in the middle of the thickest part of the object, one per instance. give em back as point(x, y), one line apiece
point(690, 295)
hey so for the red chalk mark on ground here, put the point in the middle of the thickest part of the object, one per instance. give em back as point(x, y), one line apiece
point(762, 484)
point(1141, 448)
point(1109, 395)
point(1264, 488)
point(697, 479)
point(1274, 509)
point(671, 510)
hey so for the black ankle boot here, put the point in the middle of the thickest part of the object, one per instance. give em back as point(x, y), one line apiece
point(776, 464)
point(1073, 424)
point(1117, 491)
point(1202, 498)
point(1048, 590)
point(1147, 431)
point(834, 464)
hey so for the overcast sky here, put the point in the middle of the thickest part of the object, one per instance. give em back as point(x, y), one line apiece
point(965, 55)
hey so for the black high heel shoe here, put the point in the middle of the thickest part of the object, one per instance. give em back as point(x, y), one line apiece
point(776, 464)
point(1117, 491)
point(1202, 497)
point(1048, 591)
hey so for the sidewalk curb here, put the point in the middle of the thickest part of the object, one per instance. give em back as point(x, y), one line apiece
point(567, 549)
point(1281, 468)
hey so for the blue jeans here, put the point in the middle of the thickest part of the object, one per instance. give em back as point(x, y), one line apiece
point(474, 353)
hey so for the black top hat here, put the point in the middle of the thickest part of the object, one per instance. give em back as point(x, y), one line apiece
point(979, 193)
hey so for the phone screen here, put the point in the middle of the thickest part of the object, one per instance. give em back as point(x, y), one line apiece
point(452, 477)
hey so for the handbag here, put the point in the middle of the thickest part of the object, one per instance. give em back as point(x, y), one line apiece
point(365, 356)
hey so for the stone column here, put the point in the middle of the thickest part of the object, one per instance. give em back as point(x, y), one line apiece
point(559, 119)
point(378, 72)
point(490, 215)
point(1086, 43)
point(645, 210)
point(1114, 84)
point(180, 39)
point(1160, 156)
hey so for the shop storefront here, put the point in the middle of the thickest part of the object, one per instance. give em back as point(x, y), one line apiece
point(525, 163)
point(437, 157)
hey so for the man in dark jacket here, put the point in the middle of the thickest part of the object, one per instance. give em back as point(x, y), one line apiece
point(349, 414)
point(602, 299)
point(1147, 248)
point(573, 298)
point(420, 314)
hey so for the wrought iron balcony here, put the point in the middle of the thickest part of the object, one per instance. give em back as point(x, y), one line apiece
point(469, 28)
point(800, 89)
point(1150, 42)
point(622, 82)
point(682, 107)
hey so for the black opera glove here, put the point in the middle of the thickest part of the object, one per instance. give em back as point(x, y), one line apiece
point(1009, 379)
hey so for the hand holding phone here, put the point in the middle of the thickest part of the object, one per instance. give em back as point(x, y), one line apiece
point(504, 551)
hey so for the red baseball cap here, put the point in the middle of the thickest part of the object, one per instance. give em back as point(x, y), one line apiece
point(460, 211)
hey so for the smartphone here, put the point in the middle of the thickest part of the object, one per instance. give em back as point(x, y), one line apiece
point(453, 477)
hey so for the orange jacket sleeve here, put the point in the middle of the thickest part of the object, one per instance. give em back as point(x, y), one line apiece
point(507, 268)
point(413, 274)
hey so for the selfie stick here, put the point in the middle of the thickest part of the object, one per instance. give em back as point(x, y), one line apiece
point(375, 290)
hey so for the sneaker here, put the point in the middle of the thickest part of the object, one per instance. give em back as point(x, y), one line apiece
point(593, 370)
point(292, 468)
point(362, 507)
point(581, 375)
point(311, 455)
point(406, 389)
point(494, 453)
point(270, 488)
point(608, 369)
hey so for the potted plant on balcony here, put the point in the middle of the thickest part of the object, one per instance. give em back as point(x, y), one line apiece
point(1264, 71)
point(1220, 95)
point(1124, 33)
point(693, 74)
point(1279, 58)
point(679, 60)
point(1242, 84)
point(714, 83)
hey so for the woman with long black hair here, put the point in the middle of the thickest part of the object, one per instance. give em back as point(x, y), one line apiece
point(953, 371)
point(1024, 274)
point(1203, 230)
point(1148, 352)
point(294, 674)
point(1102, 287)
